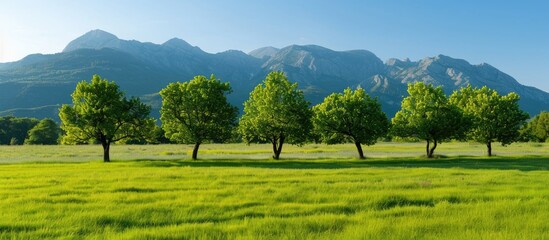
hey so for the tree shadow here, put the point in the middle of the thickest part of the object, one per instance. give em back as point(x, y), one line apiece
point(524, 163)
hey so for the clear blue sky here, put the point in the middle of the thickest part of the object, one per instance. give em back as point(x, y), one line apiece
point(510, 35)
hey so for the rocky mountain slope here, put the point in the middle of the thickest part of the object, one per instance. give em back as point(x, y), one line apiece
point(38, 84)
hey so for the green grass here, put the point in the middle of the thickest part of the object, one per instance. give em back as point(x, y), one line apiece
point(86, 153)
point(236, 192)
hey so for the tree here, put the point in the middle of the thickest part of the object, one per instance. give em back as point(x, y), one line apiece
point(100, 112)
point(351, 116)
point(426, 114)
point(538, 128)
point(4, 128)
point(276, 112)
point(495, 118)
point(46, 132)
point(197, 111)
point(159, 136)
point(13, 130)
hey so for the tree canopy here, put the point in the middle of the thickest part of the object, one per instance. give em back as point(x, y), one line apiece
point(538, 128)
point(197, 111)
point(426, 114)
point(495, 118)
point(46, 132)
point(351, 116)
point(14, 130)
point(100, 112)
point(276, 112)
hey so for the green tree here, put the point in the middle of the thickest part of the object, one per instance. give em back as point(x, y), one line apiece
point(100, 112)
point(4, 127)
point(13, 130)
point(538, 127)
point(46, 132)
point(159, 136)
point(276, 112)
point(495, 118)
point(351, 116)
point(197, 111)
point(426, 114)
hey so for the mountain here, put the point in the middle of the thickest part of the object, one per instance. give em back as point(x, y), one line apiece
point(264, 53)
point(95, 39)
point(453, 74)
point(141, 69)
point(37, 84)
point(320, 71)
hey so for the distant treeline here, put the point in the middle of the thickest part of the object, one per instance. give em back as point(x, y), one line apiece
point(18, 131)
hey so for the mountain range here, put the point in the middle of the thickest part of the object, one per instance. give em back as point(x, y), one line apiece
point(36, 85)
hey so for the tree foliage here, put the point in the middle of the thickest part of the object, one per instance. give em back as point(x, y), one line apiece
point(276, 112)
point(46, 132)
point(100, 112)
point(426, 114)
point(538, 128)
point(14, 130)
point(197, 111)
point(351, 116)
point(495, 118)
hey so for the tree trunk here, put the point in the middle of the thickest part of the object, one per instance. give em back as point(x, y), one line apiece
point(274, 142)
point(277, 147)
point(489, 146)
point(427, 149)
point(106, 148)
point(432, 151)
point(195, 150)
point(359, 149)
point(280, 146)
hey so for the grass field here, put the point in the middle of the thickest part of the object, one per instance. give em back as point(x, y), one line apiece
point(236, 192)
point(86, 153)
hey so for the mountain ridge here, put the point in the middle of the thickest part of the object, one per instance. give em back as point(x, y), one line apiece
point(143, 68)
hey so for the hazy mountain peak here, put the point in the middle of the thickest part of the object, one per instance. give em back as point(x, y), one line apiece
point(177, 43)
point(441, 62)
point(94, 39)
point(441, 56)
point(395, 62)
point(264, 52)
point(100, 34)
point(299, 56)
point(307, 48)
point(233, 52)
point(451, 60)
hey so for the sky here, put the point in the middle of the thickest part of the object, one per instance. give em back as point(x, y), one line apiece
point(512, 36)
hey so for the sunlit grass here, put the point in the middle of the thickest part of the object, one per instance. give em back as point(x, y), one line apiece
point(145, 194)
point(85, 153)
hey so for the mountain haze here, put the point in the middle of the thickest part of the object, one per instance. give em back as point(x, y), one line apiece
point(264, 52)
point(37, 84)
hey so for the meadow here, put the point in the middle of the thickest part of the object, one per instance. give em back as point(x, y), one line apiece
point(236, 191)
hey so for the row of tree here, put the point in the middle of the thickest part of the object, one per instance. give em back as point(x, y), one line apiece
point(197, 111)
point(478, 114)
point(18, 131)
